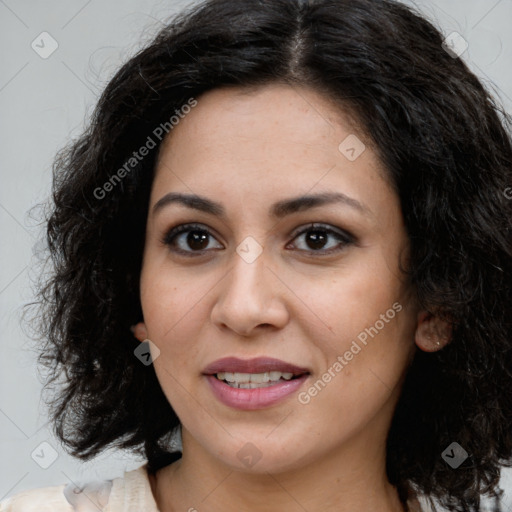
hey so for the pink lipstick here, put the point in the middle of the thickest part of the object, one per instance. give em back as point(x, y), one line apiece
point(253, 383)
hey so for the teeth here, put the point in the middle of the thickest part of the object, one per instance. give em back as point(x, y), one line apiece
point(249, 385)
point(253, 380)
point(259, 378)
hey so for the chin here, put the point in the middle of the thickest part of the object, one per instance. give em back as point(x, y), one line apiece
point(257, 454)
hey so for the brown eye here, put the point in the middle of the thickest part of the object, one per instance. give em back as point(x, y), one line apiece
point(317, 239)
point(197, 240)
point(194, 239)
point(188, 238)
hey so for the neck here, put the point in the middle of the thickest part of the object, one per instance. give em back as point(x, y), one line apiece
point(350, 478)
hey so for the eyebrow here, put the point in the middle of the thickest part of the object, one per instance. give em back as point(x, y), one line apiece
point(278, 210)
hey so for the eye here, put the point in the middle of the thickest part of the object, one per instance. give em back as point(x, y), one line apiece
point(316, 237)
point(196, 239)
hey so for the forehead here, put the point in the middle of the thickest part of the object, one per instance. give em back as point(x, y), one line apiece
point(265, 140)
point(223, 118)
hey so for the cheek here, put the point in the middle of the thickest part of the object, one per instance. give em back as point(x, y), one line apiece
point(343, 302)
point(359, 379)
point(366, 321)
point(170, 308)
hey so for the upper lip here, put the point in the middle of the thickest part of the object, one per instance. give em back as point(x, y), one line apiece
point(256, 365)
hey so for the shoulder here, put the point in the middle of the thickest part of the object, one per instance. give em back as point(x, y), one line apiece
point(104, 495)
point(44, 499)
point(92, 496)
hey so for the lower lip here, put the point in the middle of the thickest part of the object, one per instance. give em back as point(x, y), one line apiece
point(257, 398)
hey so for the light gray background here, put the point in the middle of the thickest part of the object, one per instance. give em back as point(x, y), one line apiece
point(44, 103)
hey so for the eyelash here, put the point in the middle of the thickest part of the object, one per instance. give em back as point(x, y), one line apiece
point(345, 237)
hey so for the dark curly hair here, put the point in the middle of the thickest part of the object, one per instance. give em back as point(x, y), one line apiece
point(446, 145)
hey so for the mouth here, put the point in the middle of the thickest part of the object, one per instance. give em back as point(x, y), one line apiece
point(255, 380)
point(254, 383)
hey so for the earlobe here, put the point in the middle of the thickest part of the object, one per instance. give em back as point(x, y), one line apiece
point(432, 333)
point(139, 331)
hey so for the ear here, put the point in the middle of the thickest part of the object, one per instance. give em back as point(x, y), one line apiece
point(432, 333)
point(139, 331)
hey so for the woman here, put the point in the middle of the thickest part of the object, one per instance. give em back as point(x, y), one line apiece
point(286, 234)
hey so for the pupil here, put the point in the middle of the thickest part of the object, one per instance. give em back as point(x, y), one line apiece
point(199, 238)
point(316, 239)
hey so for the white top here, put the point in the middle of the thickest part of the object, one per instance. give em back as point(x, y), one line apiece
point(129, 493)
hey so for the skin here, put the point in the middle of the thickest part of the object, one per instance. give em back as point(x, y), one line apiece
point(247, 150)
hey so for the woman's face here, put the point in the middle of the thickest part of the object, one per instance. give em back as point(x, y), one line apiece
point(252, 279)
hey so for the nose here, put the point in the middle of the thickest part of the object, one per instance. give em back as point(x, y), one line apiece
point(251, 298)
